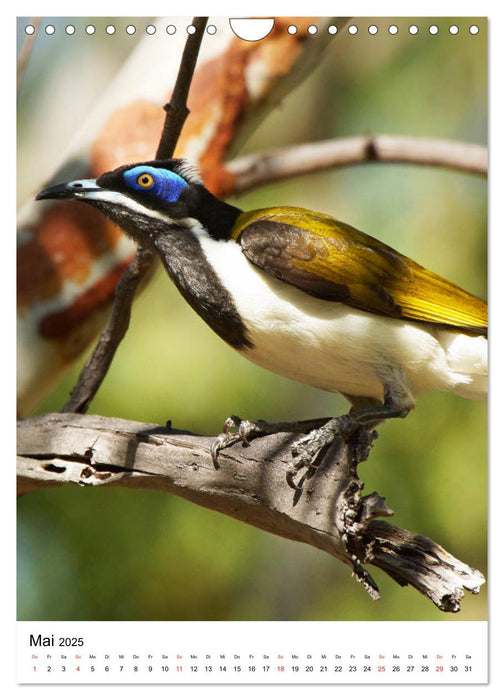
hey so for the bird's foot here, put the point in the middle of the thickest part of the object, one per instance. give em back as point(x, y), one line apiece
point(320, 433)
point(236, 429)
point(308, 450)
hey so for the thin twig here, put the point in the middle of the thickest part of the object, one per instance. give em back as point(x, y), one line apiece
point(177, 110)
point(96, 367)
point(260, 168)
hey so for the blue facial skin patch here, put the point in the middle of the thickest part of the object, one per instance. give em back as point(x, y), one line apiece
point(165, 184)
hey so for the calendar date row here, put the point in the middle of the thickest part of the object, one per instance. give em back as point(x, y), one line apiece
point(302, 668)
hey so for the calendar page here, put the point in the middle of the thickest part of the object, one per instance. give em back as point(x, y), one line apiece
point(252, 350)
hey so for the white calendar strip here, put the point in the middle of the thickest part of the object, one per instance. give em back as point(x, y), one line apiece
point(252, 652)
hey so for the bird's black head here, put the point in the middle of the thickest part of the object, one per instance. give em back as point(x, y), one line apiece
point(146, 199)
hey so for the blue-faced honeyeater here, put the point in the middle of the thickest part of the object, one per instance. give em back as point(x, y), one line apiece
point(303, 295)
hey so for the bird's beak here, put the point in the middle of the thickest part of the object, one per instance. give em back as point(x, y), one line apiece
point(77, 189)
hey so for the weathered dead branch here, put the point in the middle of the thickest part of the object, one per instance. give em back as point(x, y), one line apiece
point(332, 514)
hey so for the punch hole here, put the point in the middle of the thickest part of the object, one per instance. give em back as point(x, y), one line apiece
point(70, 29)
point(50, 29)
point(332, 29)
point(373, 29)
point(352, 29)
point(29, 29)
point(110, 29)
point(251, 28)
point(474, 29)
point(211, 29)
point(90, 29)
point(171, 29)
point(191, 29)
point(292, 29)
point(454, 29)
point(150, 29)
point(312, 29)
point(393, 29)
point(130, 29)
point(413, 29)
point(433, 29)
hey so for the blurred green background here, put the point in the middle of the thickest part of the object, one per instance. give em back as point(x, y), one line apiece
point(113, 554)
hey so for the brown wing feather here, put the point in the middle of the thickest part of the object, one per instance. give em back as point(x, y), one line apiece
point(336, 262)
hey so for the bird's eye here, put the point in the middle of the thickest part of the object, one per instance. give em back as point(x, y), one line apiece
point(145, 180)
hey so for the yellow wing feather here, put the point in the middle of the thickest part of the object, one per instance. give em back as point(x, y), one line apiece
point(378, 278)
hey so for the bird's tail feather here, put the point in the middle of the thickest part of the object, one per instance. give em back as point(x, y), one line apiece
point(467, 357)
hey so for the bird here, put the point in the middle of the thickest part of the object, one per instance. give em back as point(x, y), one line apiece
point(303, 295)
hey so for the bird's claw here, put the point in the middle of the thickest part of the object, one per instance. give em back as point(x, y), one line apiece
point(235, 429)
point(304, 458)
point(220, 442)
point(227, 437)
point(292, 471)
point(308, 449)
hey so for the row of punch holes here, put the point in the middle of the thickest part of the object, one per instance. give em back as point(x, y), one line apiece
point(212, 29)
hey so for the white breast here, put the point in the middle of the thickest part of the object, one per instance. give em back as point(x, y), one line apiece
point(331, 346)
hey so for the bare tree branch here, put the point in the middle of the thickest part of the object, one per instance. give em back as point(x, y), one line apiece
point(177, 110)
point(95, 369)
point(250, 485)
point(260, 168)
point(97, 366)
